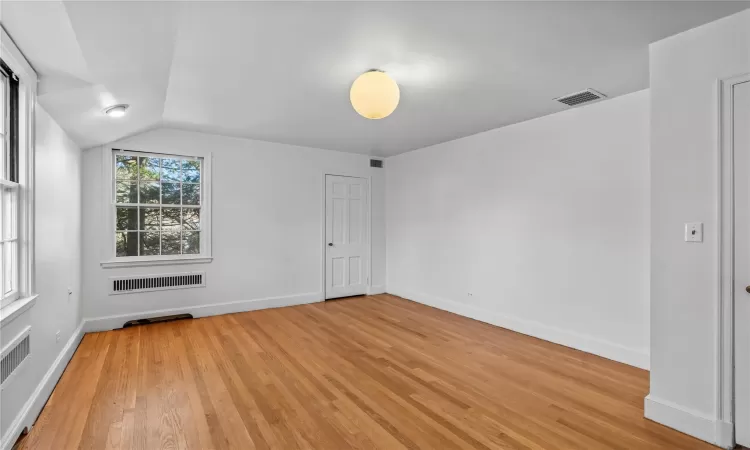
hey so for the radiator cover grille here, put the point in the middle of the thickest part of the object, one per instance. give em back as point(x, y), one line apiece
point(161, 282)
point(13, 358)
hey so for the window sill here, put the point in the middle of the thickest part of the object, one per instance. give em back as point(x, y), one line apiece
point(137, 262)
point(15, 309)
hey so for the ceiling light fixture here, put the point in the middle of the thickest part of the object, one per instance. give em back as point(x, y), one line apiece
point(116, 110)
point(374, 95)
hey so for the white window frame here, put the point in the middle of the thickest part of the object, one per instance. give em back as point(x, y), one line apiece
point(27, 88)
point(8, 206)
point(109, 258)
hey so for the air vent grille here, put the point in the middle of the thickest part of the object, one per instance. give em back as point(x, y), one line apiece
point(376, 163)
point(589, 95)
point(161, 282)
point(13, 359)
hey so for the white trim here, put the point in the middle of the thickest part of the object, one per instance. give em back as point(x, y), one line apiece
point(15, 309)
point(725, 219)
point(13, 342)
point(27, 87)
point(590, 344)
point(9, 184)
point(16, 61)
point(108, 259)
point(155, 261)
point(37, 400)
point(113, 322)
point(689, 422)
point(375, 290)
point(725, 337)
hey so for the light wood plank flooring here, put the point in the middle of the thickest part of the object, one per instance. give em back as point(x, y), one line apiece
point(368, 372)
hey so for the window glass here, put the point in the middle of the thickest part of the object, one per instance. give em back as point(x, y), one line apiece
point(157, 204)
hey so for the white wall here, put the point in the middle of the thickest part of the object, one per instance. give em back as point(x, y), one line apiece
point(540, 227)
point(267, 228)
point(58, 267)
point(684, 181)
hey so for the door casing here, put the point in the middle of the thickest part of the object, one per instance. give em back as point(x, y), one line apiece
point(727, 334)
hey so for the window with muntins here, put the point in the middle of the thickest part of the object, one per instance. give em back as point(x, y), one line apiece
point(9, 211)
point(158, 201)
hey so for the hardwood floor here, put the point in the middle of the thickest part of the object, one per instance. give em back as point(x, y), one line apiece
point(368, 372)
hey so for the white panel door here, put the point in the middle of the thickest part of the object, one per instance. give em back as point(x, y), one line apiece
point(741, 146)
point(347, 236)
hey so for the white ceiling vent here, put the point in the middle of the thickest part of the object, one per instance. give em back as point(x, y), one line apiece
point(575, 99)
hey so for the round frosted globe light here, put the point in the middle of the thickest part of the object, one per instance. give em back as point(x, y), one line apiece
point(374, 95)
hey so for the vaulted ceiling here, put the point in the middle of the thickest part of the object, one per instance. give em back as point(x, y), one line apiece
point(281, 71)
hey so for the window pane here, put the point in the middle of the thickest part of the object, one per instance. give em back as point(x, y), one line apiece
point(126, 167)
point(3, 87)
point(127, 192)
point(150, 168)
point(127, 218)
point(191, 219)
point(149, 244)
point(3, 157)
point(170, 170)
point(170, 243)
point(170, 219)
point(7, 268)
point(10, 266)
point(149, 192)
point(150, 219)
point(170, 193)
point(191, 244)
point(150, 183)
point(191, 194)
point(126, 243)
point(9, 213)
point(191, 171)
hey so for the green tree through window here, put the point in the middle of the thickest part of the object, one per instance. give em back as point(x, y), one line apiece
point(157, 204)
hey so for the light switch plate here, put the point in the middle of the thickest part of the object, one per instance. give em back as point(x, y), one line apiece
point(694, 232)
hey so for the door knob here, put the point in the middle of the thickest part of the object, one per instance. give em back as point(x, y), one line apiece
point(330, 244)
point(747, 289)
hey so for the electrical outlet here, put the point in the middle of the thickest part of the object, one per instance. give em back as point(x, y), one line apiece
point(57, 336)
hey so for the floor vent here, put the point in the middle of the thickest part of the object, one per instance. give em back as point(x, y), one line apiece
point(162, 282)
point(589, 95)
point(14, 355)
point(150, 320)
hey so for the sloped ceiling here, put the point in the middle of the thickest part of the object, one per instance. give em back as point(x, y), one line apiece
point(281, 71)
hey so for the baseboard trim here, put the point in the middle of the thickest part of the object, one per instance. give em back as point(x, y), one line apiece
point(33, 406)
point(682, 419)
point(375, 290)
point(724, 434)
point(93, 324)
point(589, 344)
